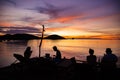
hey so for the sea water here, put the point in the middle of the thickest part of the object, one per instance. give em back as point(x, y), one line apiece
point(77, 48)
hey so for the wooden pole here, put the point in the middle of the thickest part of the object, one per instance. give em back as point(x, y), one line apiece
point(41, 40)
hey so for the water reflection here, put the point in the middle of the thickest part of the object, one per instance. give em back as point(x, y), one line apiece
point(69, 48)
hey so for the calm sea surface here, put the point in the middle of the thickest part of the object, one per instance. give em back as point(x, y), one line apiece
point(77, 48)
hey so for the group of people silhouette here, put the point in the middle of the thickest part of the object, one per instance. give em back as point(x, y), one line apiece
point(108, 61)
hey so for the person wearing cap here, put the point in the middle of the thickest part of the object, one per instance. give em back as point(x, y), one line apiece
point(109, 60)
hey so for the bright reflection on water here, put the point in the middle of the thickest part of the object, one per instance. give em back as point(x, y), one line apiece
point(69, 48)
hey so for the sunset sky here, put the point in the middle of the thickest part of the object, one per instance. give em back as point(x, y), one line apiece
point(69, 18)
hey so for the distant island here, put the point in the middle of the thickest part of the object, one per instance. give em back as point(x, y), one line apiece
point(54, 37)
point(18, 37)
point(28, 37)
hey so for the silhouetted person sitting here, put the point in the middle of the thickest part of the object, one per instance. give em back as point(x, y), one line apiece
point(26, 57)
point(109, 60)
point(91, 59)
point(27, 53)
point(58, 54)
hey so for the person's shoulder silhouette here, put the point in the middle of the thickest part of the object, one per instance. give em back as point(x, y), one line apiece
point(109, 59)
point(58, 53)
point(91, 59)
point(27, 52)
point(26, 56)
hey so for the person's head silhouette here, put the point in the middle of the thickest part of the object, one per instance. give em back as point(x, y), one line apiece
point(108, 50)
point(54, 48)
point(91, 51)
point(28, 48)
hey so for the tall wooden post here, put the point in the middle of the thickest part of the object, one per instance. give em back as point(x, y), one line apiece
point(40, 45)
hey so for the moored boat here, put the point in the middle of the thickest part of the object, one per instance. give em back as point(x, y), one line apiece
point(44, 69)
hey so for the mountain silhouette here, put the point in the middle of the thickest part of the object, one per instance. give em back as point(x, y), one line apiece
point(54, 37)
point(18, 37)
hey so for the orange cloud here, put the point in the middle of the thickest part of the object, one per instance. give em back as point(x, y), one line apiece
point(112, 16)
point(1, 34)
point(65, 19)
point(7, 24)
point(65, 28)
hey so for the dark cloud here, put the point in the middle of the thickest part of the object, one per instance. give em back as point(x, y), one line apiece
point(32, 20)
point(14, 30)
point(3, 2)
point(27, 19)
point(50, 9)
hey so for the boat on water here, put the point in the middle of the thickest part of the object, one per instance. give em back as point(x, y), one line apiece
point(47, 69)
